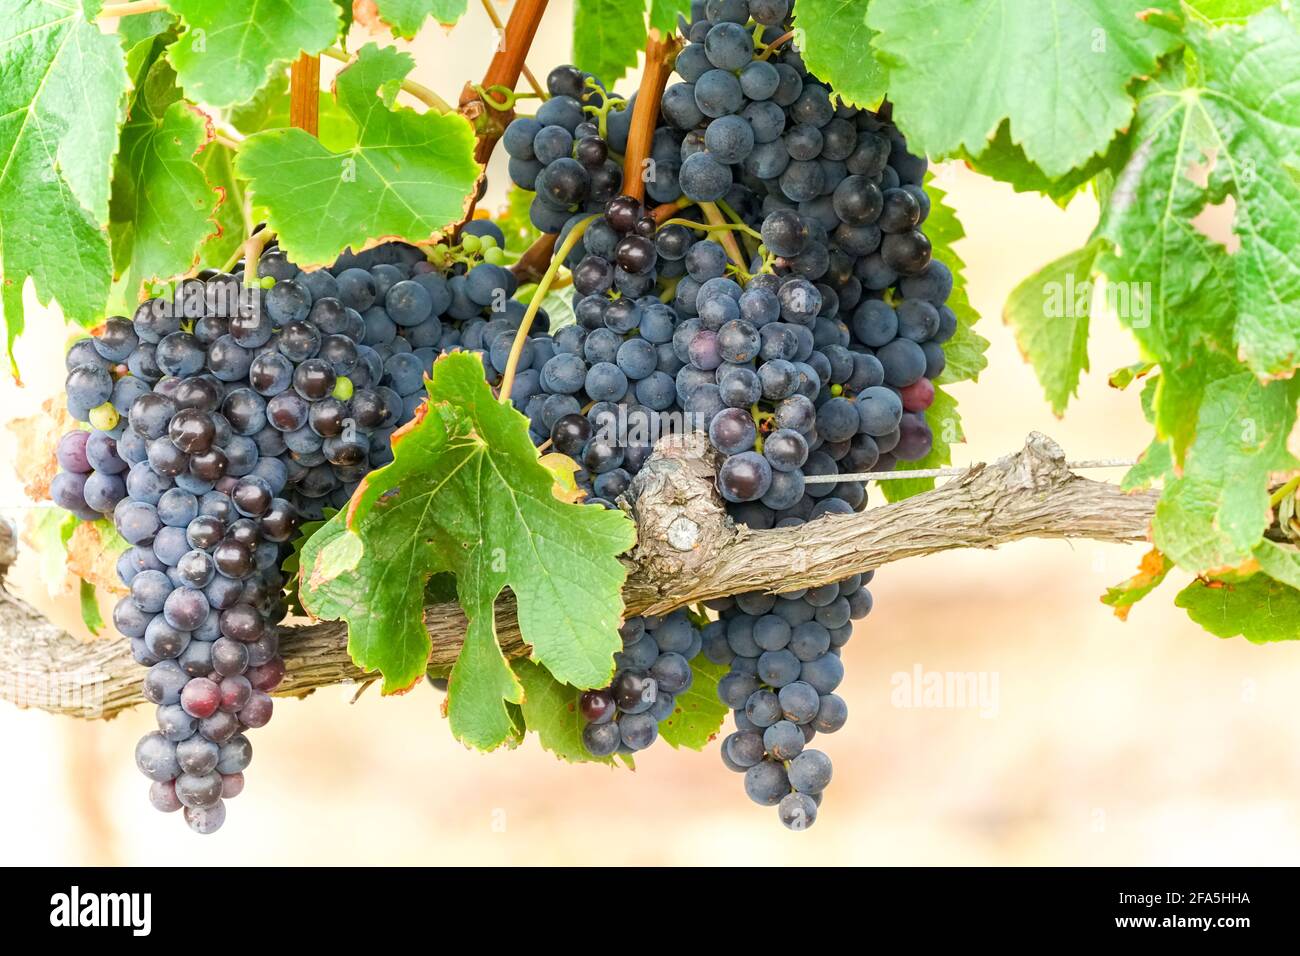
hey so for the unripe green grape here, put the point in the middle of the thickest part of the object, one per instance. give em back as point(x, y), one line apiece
point(104, 417)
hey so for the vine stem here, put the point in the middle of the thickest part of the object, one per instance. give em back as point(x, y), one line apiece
point(771, 47)
point(227, 138)
point(744, 228)
point(417, 90)
point(495, 17)
point(1278, 496)
point(504, 70)
point(664, 213)
point(659, 56)
point(304, 94)
point(711, 227)
point(955, 471)
point(135, 8)
point(235, 256)
point(714, 215)
point(532, 264)
point(687, 551)
point(517, 347)
point(253, 247)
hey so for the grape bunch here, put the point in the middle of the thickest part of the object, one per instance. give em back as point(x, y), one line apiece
point(775, 291)
point(570, 153)
point(652, 669)
point(784, 653)
point(221, 418)
point(810, 356)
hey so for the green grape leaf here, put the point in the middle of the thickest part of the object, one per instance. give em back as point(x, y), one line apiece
point(408, 175)
point(1169, 284)
point(292, 564)
point(945, 425)
point(551, 711)
point(270, 110)
point(1006, 162)
point(1125, 376)
point(1154, 464)
point(1254, 148)
point(267, 108)
point(62, 99)
point(1048, 312)
point(1228, 11)
point(230, 50)
point(162, 206)
point(1213, 515)
point(467, 494)
point(134, 30)
point(346, 17)
point(559, 309)
point(407, 16)
point(218, 164)
point(1178, 392)
point(1201, 135)
point(1259, 609)
point(1059, 73)
point(607, 36)
point(835, 41)
point(664, 13)
point(1151, 572)
point(51, 529)
point(964, 352)
point(1147, 397)
point(1279, 561)
point(698, 715)
point(90, 614)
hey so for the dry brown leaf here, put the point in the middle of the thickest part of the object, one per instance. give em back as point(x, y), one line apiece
point(37, 437)
point(91, 559)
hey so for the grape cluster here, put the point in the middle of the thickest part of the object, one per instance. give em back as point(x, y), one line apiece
point(805, 349)
point(221, 418)
point(846, 317)
point(653, 668)
point(570, 153)
point(813, 356)
point(784, 654)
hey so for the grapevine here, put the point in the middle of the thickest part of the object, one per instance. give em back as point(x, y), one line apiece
point(553, 459)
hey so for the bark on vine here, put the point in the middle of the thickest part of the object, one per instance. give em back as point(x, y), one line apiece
point(688, 550)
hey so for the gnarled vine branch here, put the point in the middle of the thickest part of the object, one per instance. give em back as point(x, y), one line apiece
point(688, 550)
point(503, 71)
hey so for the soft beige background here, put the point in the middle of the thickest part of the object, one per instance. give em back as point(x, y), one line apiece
point(1145, 742)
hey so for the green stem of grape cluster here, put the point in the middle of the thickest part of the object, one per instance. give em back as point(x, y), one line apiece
point(517, 348)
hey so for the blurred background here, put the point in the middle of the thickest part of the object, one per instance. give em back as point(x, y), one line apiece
point(1099, 742)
